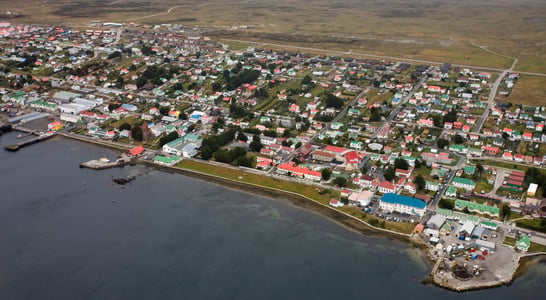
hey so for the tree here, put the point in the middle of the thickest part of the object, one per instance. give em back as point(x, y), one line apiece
point(141, 81)
point(458, 139)
point(244, 161)
point(419, 182)
point(479, 168)
point(325, 173)
point(376, 116)
point(401, 163)
point(438, 120)
point(340, 181)
point(238, 111)
point(164, 110)
point(505, 211)
point(242, 137)
point(256, 144)
point(223, 155)
point(136, 133)
point(206, 152)
point(447, 204)
point(113, 106)
point(125, 126)
point(442, 143)
point(417, 164)
point(451, 116)
point(168, 138)
point(389, 174)
point(334, 101)
point(306, 80)
point(237, 152)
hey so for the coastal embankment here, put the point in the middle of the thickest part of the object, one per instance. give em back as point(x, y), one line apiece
point(340, 217)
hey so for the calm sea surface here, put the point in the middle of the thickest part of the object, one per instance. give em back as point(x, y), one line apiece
point(69, 233)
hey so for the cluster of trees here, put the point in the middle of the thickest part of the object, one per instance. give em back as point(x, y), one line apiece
point(236, 155)
point(442, 143)
point(136, 131)
point(439, 120)
point(238, 111)
point(334, 101)
point(214, 142)
point(458, 139)
point(211, 148)
point(235, 81)
point(446, 203)
point(153, 74)
point(401, 163)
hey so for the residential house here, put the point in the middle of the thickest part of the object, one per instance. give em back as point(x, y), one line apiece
point(386, 187)
point(463, 183)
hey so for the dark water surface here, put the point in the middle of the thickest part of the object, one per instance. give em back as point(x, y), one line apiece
point(69, 233)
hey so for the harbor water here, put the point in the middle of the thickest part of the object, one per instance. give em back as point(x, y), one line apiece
point(70, 233)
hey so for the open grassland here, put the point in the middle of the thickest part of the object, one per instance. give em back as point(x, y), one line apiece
point(530, 90)
point(440, 30)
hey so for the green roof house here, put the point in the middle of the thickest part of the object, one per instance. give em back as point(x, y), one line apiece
point(477, 208)
point(451, 191)
point(523, 243)
point(463, 183)
point(469, 170)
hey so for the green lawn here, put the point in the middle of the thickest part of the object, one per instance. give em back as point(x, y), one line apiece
point(536, 248)
point(502, 164)
point(509, 241)
point(483, 185)
point(531, 224)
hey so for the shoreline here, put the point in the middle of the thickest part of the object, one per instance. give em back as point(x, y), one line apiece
point(349, 222)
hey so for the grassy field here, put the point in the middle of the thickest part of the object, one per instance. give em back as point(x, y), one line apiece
point(530, 90)
point(506, 165)
point(441, 30)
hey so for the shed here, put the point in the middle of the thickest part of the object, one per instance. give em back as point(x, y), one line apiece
point(436, 222)
point(478, 232)
point(485, 244)
point(466, 229)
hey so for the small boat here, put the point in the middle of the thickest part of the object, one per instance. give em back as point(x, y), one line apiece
point(19, 136)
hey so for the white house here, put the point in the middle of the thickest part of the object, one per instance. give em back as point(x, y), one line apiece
point(174, 147)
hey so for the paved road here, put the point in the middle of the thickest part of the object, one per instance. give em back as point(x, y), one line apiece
point(493, 93)
point(399, 108)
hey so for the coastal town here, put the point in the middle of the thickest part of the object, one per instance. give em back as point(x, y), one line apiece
point(435, 152)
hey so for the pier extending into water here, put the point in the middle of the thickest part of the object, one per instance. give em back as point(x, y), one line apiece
point(101, 164)
point(17, 146)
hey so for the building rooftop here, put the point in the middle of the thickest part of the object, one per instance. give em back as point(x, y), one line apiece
point(403, 200)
